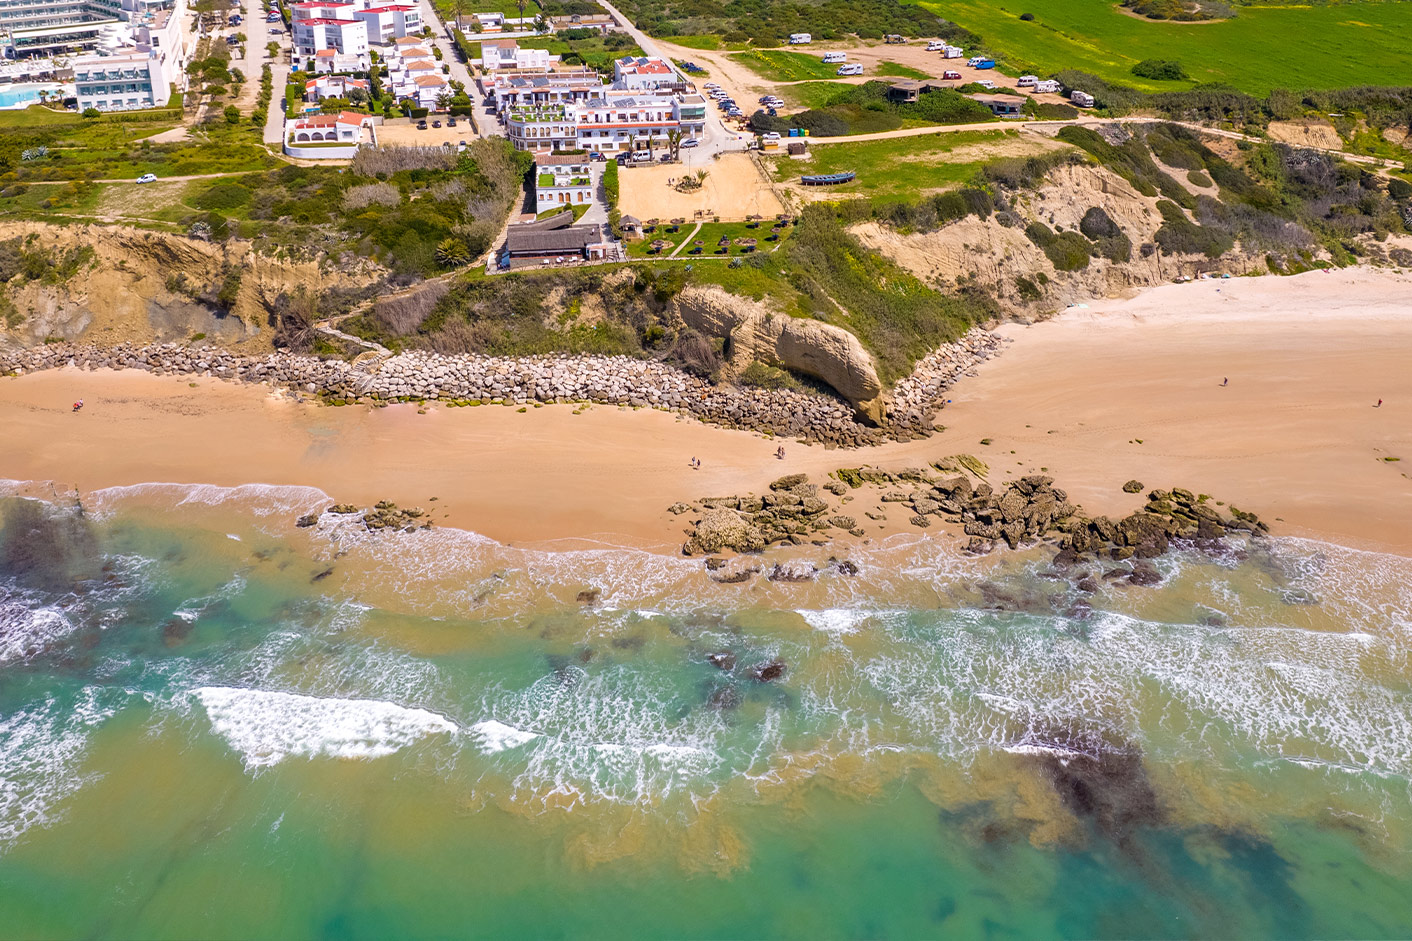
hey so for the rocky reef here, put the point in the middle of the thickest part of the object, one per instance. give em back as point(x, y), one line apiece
point(953, 490)
point(383, 515)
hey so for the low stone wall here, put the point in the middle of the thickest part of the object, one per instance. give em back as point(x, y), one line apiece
point(607, 380)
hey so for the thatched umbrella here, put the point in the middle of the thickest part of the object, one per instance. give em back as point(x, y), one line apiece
point(653, 221)
point(659, 244)
point(725, 241)
point(678, 222)
point(746, 241)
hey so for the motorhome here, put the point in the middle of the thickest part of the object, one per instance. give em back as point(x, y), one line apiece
point(851, 69)
point(835, 58)
point(936, 45)
point(1027, 81)
point(800, 39)
point(1047, 87)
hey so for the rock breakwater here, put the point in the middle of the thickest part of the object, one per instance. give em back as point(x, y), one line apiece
point(485, 380)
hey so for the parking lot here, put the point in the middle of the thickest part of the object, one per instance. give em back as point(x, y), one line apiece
point(407, 135)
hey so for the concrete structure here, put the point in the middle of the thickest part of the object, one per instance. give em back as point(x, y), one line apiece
point(497, 54)
point(120, 83)
point(326, 136)
point(413, 73)
point(912, 89)
point(644, 73)
point(562, 179)
point(617, 121)
point(1000, 105)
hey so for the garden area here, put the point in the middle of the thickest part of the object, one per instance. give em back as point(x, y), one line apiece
point(712, 240)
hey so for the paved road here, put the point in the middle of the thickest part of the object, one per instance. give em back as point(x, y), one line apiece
point(441, 37)
point(279, 74)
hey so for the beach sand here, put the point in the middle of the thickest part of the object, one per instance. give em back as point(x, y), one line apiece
point(1127, 388)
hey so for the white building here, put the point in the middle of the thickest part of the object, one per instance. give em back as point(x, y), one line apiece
point(616, 121)
point(348, 37)
point(334, 86)
point(124, 82)
point(513, 89)
point(496, 54)
point(643, 73)
point(386, 23)
point(327, 61)
point(561, 180)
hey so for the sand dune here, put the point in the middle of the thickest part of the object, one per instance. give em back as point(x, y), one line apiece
point(1124, 389)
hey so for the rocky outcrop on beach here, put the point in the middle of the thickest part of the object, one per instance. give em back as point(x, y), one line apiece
point(384, 515)
point(466, 380)
point(953, 490)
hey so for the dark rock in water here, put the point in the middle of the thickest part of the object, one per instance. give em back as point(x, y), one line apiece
point(721, 660)
point(979, 546)
point(1110, 788)
point(1145, 573)
point(1212, 620)
point(792, 572)
point(633, 642)
point(322, 575)
point(588, 596)
point(1065, 558)
point(714, 563)
point(175, 631)
point(1298, 596)
point(734, 578)
point(586, 655)
point(844, 566)
point(768, 672)
point(309, 519)
point(789, 481)
point(343, 509)
point(1080, 610)
point(1088, 584)
point(46, 547)
point(1132, 486)
point(724, 698)
point(1111, 574)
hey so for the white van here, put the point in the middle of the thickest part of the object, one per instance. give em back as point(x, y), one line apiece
point(985, 83)
point(834, 58)
point(853, 69)
point(642, 156)
point(936, 45)
point(800, 39)
point(1027, 81)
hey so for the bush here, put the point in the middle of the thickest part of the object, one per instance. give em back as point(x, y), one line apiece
point(1067, 251)
point(610, 183)
point(1162, 70)
point(1027, 17)
point(232, 114)
point(1197, 178)
point(1179, 235)
point(401, 316)
point(223, 196)
point(92, 113)
point(1097, 224)
point(1399, 189)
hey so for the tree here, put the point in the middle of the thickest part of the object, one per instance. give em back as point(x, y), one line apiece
point(358, 96)
point(674, 143)
point(443, 101)
point(451, 252)
point(521, 5)
point(541, 25)
point(232, 114)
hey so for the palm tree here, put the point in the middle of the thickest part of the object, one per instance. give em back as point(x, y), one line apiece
point(443, 101)
point(701, 176)
point(674, 142)
point(451, 252)
point(521, 5)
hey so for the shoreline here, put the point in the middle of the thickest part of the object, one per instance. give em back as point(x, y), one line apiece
point(1123, 389)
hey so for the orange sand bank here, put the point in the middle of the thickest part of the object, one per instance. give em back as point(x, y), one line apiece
point(1124, 389)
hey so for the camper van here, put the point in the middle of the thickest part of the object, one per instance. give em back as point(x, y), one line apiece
point(1047, 87)
point(951, 75)
point(853, 69)
point(800, 39)
point(936, 45)
point(952, 52)
point(1027, 81)
point(835, 58)
point(1081, 98)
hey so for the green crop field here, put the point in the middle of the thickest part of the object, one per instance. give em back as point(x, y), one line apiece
point(1260, 49)
point(901, 166)
point(784, 66)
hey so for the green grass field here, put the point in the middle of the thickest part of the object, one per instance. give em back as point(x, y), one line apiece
point(784, 66)
point(899, 70)
point(811, 94)
point(709, 236)
point(1260, 49)
point(898, 166)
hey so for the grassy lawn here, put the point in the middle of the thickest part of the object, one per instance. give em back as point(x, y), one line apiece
point(1260, 49)
point(694, 42)
point(900, 70)
point(899, 166)
point(709, 236)
point(784, 66)
point(808, 95)
point(118, 151)
point(446, 9)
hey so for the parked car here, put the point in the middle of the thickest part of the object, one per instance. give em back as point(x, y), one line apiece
point(735, 113)
point(666, 158)
point(147, 178)
point(450, 122)
point(690, 142)
point(436, 124)
point(595, 155)
point(642, 156)
point(772, 112)
point(951, 74)
point(421, 125)
point(770, 135)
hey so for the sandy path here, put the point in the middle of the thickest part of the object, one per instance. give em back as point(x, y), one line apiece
point(1294, 437)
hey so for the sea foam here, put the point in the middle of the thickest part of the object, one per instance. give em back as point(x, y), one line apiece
point(267, 726)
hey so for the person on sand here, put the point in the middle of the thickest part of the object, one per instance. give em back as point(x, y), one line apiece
point(1379, 405)
point(1226, 381)
point(79, 404)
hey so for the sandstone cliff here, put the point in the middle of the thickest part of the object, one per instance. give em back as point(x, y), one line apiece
point(756, 333)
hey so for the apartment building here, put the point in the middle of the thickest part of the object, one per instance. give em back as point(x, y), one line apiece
point(516, 89)
point(120, 83)
point(561, 180)
point(614, 121)
point(347, 37)
point(497, 54)
point(31, 28)
point(382, 23)
point(643, 73)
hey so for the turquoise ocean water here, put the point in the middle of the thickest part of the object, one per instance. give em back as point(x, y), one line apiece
point(214, 724)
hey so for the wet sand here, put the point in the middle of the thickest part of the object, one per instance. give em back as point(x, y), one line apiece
point(1124, 389)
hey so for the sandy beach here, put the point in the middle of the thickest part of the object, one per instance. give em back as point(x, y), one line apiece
point(1122, 389)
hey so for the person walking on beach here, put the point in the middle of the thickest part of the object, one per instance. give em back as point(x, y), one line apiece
point(79, 404)
point(1379, 405)
point(1226, 381)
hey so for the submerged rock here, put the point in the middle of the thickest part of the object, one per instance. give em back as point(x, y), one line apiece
point(768, 672)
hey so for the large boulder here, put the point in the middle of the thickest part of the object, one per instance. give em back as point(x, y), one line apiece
point(808, 346)
point(721, 530)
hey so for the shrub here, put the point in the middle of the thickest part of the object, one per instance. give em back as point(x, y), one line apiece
point(610, 183)
point(1164, 70)
point(223, 196)
point(401, 315)
point(1197, 178)
point(92, 113)
point(232, 114)
point(1180, 235)
point(1097, 224)
point(1399, 189)
point(371, 194)
point(1027, 17)
point(1067, 251)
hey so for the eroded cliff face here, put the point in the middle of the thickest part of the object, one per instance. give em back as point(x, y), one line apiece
point(995, 254)
point(142, 286)
point(756, 333)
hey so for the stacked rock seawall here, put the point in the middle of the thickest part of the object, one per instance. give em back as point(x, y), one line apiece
point(608, 380)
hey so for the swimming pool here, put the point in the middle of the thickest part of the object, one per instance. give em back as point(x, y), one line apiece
point(26, 94)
